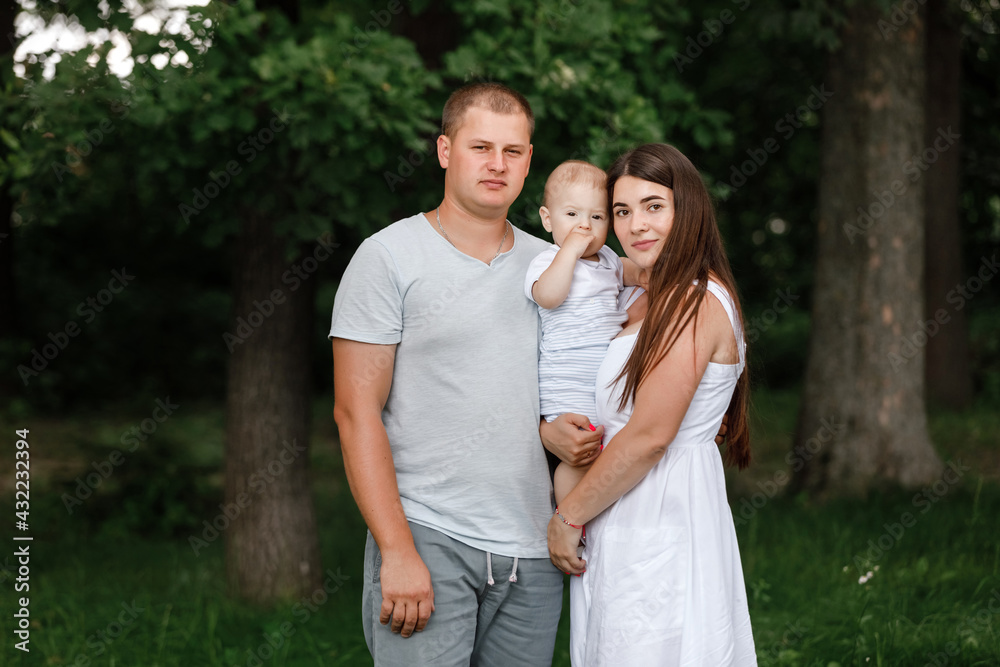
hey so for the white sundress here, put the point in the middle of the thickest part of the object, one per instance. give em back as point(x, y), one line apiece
point(664, 584)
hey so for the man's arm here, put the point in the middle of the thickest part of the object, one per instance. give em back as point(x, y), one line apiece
point(362, 375)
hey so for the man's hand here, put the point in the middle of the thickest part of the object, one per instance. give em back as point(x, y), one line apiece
point(407, 594)
point(572, 438)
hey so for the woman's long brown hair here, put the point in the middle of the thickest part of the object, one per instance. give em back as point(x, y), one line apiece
point(692, 251)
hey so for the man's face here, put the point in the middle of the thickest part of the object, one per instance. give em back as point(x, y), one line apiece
point(486, 161)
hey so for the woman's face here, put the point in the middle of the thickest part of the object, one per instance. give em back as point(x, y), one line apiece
point(643, 213)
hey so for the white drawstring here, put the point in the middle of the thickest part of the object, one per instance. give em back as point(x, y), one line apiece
point(489, 570)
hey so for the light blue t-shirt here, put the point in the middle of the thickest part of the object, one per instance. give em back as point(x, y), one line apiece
point(462, 413)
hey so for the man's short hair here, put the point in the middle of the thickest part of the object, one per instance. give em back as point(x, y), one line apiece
point(495, 97)
point(571, 172)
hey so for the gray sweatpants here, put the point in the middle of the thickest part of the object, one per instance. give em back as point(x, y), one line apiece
point(474, 623)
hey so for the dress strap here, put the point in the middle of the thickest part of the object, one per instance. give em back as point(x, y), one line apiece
point(727, 302)
point(632, 297)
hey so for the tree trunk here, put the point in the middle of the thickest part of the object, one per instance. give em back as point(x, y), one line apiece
point(862, 420)
point(949, 373)
point(272, 550)
point(434, 31)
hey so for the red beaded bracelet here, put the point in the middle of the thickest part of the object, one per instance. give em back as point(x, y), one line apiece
point(561, 517)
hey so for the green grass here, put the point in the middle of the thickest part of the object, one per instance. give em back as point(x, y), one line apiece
point(802, 561)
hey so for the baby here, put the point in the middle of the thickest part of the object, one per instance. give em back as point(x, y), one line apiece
point(575, 284)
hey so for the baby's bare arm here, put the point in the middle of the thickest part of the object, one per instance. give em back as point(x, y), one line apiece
point(552, 287)
point(566, 477)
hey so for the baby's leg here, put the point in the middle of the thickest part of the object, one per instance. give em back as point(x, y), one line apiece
point(566, 477)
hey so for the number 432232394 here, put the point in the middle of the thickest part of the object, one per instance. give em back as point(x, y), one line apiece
point(22, 476)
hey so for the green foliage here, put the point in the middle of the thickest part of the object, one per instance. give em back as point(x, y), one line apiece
point(16, 162)
point(155, 494)
point(300, 121)
point(781, 348)
point(154, 171)
point(599, 76)
point(980, 136)
point(984, 335)
point(138, 346)
point(760, 70)
point(318, 126)
point(108, 171)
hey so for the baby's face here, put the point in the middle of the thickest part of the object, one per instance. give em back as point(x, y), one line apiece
point(578, 206)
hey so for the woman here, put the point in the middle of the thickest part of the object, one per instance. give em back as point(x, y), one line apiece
point(661, 577)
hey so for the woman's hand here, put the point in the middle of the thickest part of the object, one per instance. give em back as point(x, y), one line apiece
point(572, 438)
point(563, 543)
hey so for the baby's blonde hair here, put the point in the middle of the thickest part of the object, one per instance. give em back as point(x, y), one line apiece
point(571, 172)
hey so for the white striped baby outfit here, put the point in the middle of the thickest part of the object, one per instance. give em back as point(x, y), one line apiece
point(576, 334)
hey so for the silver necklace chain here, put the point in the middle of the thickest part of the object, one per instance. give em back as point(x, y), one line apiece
point(506, 228)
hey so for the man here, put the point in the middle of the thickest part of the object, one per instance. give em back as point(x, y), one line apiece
point(436, 386)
